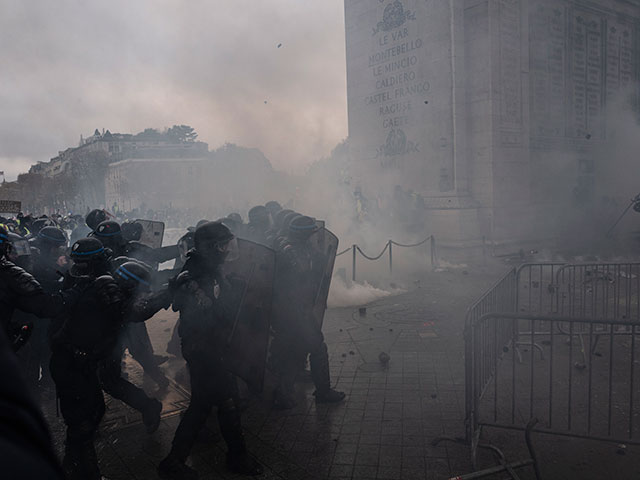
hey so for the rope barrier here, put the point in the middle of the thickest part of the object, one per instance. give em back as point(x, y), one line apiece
point(411, 245)
point(372, 258)
point(388, 247)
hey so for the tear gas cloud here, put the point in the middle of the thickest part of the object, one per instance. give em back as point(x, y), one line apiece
point(69, 67)
point(267, 76)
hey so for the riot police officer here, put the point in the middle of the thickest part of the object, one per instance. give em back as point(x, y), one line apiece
point(296, 331)
point(205, 299)
point(110, 235)
point(88, 335)
point(49, 261)
point(19, 290)
point(25, 446)
point(258, 226)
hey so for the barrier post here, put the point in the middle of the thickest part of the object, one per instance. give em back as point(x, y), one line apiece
point(353, 264)
point(390, 258)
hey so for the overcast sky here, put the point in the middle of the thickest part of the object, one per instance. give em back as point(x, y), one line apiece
point(71, 66)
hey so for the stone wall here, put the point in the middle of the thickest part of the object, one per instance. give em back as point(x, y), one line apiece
point(494, 110)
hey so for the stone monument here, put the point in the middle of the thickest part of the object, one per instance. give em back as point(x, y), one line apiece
point(489, 109)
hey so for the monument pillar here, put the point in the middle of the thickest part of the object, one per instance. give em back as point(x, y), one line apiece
point(493, 111)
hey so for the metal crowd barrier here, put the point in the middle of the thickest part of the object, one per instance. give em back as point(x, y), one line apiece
point(534, 349)
point(598, 402)
point(388, 248)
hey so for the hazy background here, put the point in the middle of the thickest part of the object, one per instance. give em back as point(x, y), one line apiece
point(71, 66)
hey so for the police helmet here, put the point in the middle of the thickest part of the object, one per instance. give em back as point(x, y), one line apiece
point(41, 223)
point(133, 275)
point(277, 221)
point(87, 250)
point(95, 218)
point(236, 217)
point(108, 229)
point(51, 236)
point(302, 227)
point(272, 207)
point(259, 215)
point(215, 232)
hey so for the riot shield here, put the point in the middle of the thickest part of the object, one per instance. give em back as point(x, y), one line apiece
point(21, 248)
point(325, 246)
point(152, 233)
point(252, 275)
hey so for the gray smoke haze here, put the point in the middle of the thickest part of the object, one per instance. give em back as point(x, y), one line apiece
point(69, 67)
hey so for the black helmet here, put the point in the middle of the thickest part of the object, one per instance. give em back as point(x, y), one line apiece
point(133, 275)
point(95, 218)
point(51, 237)
point(272, 207)
point(259, 215)
point(236, 217)
point(215, 232)
point(201, 222)
point(277, 221)
point(302, 227)
point(286, 221)
point(87, 250)
point(108, 229)
point(39, 224)
point(230, 223)
point(212, 241)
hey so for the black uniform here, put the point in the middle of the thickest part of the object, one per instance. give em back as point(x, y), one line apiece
point(89, 335)
point(136, 336)
point(25, 445)
point(296, 332)
point(206, 301)
point(50, 246)
point(18, 289)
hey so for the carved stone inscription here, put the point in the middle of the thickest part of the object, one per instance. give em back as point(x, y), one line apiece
point(395, 70)
point(408, 126)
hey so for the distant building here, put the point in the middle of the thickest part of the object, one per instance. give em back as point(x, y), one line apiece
point(83, 170)
point(158, 183)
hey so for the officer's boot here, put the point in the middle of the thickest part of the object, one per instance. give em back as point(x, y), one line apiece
point(151, 415)
point(319, 360)
point(80, 461)
point(238, 459)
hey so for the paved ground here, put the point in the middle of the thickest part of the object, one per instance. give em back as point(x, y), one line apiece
point(384, 428)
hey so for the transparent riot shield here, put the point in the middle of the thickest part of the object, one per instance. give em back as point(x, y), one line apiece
point(251, 276)
point(152, 233)
point(21, 247)
point(325, 246)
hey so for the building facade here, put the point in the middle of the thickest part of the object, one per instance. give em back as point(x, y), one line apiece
point(495, 111)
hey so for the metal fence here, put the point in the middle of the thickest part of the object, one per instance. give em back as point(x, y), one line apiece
point(596, 402)
point(556, 342)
